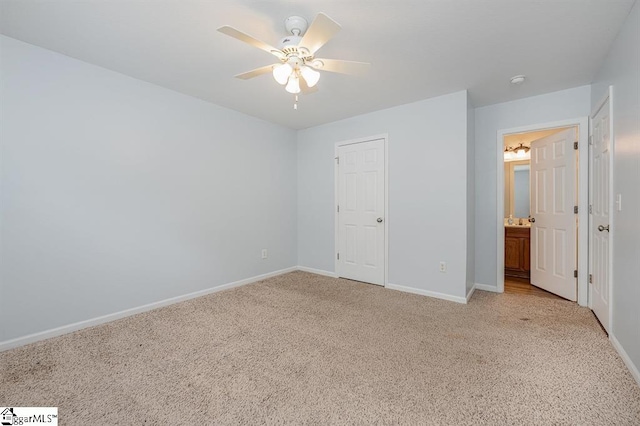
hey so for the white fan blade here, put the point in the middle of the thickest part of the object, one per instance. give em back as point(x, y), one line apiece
point(239, 35)
point(254, 73)
point(320, 31)
point(339, 66)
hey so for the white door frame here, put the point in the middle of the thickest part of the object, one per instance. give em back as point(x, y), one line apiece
point(583, 199)
point(385, 138)
point(607, 96)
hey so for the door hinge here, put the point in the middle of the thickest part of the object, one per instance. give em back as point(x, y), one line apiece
point(338, 160)
point(575, 145)
point(338, 208)
point(590, 209)
point(575, 209)
point(590, 139)
point(338, 256)
point(590, 278)
point(575, 273)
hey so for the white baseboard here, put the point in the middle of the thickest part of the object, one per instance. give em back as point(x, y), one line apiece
point(625, 357)
point(65, 329)
point(400, 287)
point(421, 292)
point(318, 271)
point(486, 287)
point(470, 293)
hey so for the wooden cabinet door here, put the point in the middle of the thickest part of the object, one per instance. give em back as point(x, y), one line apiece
point(512, 253)
point(517, 252)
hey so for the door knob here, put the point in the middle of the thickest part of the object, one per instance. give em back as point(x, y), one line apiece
point(379, 220)
point(603, 228)
point(532, 219)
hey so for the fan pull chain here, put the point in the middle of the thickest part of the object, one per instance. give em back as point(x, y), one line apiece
point(295, 103)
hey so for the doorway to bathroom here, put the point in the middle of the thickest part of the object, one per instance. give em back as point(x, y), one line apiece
point(546, 257)
point(540, 176)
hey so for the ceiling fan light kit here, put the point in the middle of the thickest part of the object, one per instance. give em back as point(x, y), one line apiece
point(310, 75)
point(293, 86)
point(298, 67)
point(282, 72)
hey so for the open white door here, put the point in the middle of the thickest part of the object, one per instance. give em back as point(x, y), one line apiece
point(553, 221)
point(600, 154)
point(361, 206)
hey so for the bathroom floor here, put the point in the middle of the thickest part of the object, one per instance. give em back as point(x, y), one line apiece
point(523, 286)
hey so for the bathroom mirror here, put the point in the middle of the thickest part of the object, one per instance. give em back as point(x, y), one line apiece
point(516, 194)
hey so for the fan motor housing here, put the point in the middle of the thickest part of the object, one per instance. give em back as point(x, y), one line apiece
point(290, 46)
point(289, 41)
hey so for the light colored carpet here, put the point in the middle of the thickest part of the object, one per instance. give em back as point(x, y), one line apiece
point(302, 348)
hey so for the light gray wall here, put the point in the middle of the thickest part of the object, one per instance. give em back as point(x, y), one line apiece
point(621, 69)
point(117, 193)
point(427, 191)
point(562, 105)
point(471, 195)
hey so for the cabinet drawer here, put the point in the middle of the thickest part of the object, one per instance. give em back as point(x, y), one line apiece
point(524, 231)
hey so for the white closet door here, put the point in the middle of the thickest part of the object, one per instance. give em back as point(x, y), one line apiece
point(361, 212)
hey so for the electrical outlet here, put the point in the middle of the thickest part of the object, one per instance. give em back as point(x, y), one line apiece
point(443, 266)
point(264, 253)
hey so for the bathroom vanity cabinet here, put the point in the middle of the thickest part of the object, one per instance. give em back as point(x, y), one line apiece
point(516, 251)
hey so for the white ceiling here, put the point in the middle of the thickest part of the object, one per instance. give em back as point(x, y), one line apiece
point(418, 49)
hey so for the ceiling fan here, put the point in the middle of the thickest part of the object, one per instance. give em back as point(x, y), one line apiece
point(297, 67)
